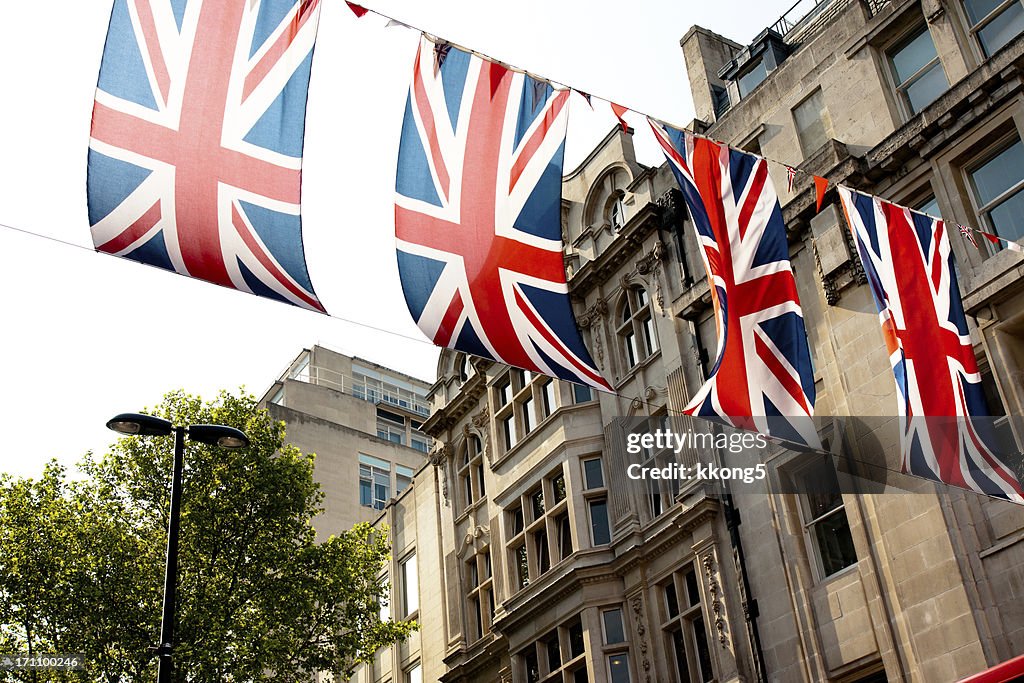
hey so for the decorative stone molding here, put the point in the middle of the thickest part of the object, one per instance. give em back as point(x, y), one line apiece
point(591, 319)
point(641, 631)
point(480, 426)
point(650, 260)
point(651, 392)
point(475, 533)
point(439, 459)
point(708, 561)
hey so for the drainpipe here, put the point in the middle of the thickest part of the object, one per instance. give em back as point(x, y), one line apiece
point(750, 610)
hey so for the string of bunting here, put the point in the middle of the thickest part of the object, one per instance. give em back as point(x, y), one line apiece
point(821, 184)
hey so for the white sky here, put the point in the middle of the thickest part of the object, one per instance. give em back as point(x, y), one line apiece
point(86, 336)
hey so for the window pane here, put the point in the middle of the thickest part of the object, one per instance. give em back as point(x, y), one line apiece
point(410, 586)
point(593, 474)
point(415, 674)
point(700, 634)
point(581, 393)
point(383, 601)
point(911, 57)
point(576, 643)
point(979, 9)
point(930, 207)
point(564, 537)
point(810, 122)
point(998, 174)
point(558, 489)
point(821, 488)
point(835, 545)
point(671, 600)
point(680, 651)
point(752, 78)
point(619, 667)
point(1008, 217)
point(927, 88)
point(537, 504)
point(599, 522)
point(692, 590)
point(613, 631)
point(528, 415)
point(1002, 29)
point(374, 462)
point(522, 567)
point(365, 493)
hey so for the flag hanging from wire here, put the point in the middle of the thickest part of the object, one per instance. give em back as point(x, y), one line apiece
point(478, 215)
point(763, 366)
point(909, 266)
point(195, 154)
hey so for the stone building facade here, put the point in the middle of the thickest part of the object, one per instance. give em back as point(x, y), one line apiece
point(549, 564)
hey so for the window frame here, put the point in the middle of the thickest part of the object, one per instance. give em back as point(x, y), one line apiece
point(683, 623)
point(823, 116)
point(636, 330)
point(974, 30)
point(981, 211)
point(539, 529)
point(900, 88)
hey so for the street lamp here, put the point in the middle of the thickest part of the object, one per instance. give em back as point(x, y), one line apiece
point(135, 424)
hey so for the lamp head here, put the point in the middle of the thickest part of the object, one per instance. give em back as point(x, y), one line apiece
point(218, 435)
point(137, 424)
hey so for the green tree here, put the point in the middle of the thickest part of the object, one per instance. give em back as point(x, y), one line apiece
point(81, 561)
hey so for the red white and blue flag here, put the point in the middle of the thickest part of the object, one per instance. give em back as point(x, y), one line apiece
point(762, 377)
point(478, 215)
point(196, 149)
point(909, 267)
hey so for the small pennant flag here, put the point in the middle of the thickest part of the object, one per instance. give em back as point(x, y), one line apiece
point(820, 185)
point(357, 10)
point(1005, 243)
point(392, 23)
point(586, 96)
point(968, 232)
point(790, 177)
point(620, 111)
point(440, 54)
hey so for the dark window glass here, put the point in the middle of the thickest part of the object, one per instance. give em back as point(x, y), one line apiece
point(700, 634)
point(581, 393)
point(540, 540)
point(618, 665)
point(554, 655)
point(517, 521)
point(564, 537)
point(576, 646)
point(692, 590)
point(682, 665)
point(599, 522)
point(593, 474)
point(522, 567)
point(613, 630)
point(537, 504)
point(671, 600)
point(835, 543)
point(558, 488)
point(752, 78)
point(531, 666)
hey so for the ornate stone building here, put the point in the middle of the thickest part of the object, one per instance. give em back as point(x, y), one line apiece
point(552, 565)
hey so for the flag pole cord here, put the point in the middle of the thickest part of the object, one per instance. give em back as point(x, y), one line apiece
point(382, 330)
point(360, 11)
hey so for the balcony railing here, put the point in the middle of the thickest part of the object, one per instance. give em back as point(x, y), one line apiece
point(361, 389)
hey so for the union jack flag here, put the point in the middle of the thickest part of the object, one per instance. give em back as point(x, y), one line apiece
point(478, 215)
point(909, 267)
point(196, 149)
point(763, 366)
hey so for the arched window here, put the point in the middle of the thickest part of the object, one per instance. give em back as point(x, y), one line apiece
point(636, 327)
point(617, 213)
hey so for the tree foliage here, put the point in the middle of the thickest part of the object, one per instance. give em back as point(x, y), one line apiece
point(81, 561)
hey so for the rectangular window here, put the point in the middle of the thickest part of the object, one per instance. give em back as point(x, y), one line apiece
point(618, 666)
point(684, 627)
point(528, 423)
point(917, 71)
point(384, 601)
point(410, 586)
point(613, 629)
point(582, 393)
point(752, 78)
point(564, 537)
point(508, 427)
point(403, 478)
point(997, 185)
point(826, 526)
point(592, 474)
point(504, 393)
point(414, 675)
point(522, 567)
point(632, 355)
point(812, 123)
point(548, 397)
point(994, 22)
point(374, 481)
point(650, 339)
point(599, 522)
point(422, 444)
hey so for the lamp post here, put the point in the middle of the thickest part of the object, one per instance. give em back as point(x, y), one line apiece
point(135, 424)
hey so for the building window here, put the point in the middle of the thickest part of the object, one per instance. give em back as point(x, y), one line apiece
point(479, 595)
point(996, 185)
point(752, 78)
point(812, 123)
point(596, 495)
point(618, 668)
point(994, 23)
point(559, 655)
point(617, 213)
point(614, 632)
point(917, 71)
point(545, 533)
point(661, 493)
point(471, 471)
point(390, 426)
point(410, 586)
point(384, 599)
point(374, 481)
point(548, 397)
point(403, 477)
point(414, 674)
point(529, 422)
point(685, 630)
point(582, 393)
point(636, 327)
point(826, 527)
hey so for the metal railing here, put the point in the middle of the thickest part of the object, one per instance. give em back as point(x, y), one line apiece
point(361, 389)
